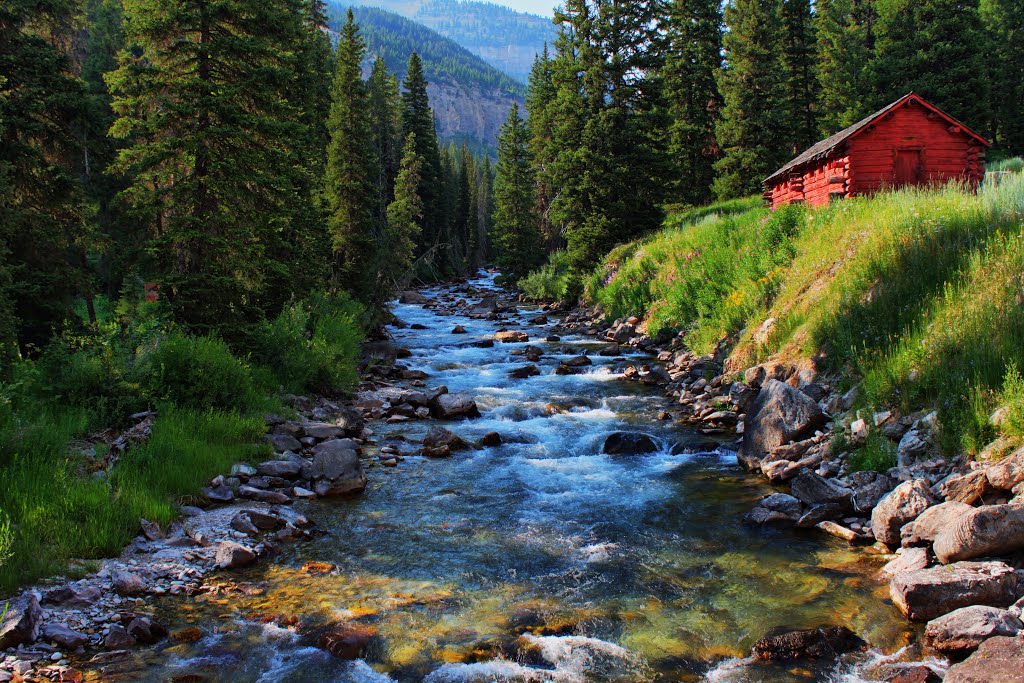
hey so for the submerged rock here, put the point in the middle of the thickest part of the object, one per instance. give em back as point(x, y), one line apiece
point(813, 643)
point(347, 641)
point(629, 443)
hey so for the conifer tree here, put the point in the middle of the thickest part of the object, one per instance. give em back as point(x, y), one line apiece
point(418, 119)
point(41, 202)
point(386, 126)
point(1005, 22)
point(350, 183)
point(485, 204)
point(753, 130)
point(844, 39)
point(519, 244)
point(315, 69)
point(470, 217)
point(405, 217)
point(203, 97)
point(936, 48)
point(540, 122)
point(799, 55)
point(693, 57)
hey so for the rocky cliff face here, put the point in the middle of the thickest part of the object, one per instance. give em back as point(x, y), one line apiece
point(467, 111)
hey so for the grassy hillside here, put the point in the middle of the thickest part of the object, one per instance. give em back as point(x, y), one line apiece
point(918, 294)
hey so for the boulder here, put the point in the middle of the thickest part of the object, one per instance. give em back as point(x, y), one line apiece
point(283, 442)
point(118, 638)
point(1008, 472)
point(146, 630)
point(128, 583)
point(912, 445)
point(818, 514)
point(912, 673)
point(491, 439)
point(412, 297)
point(761, 516)
point(337, 467)
point(486, 306)
point(219, 494)
point(577, 362)
point(323, 430)
point(812, 643)
point(780, 414)
point(965, 488)
point(20, 623)
point(629, 443)
point(909, 560)
point(347, 641)
point(610, 350)
point(813, 489)
point(458, 329)
point(286, 469)
point(262, 495)
point(511, 336)
point(231, 555)
point(439, 436)
point(924, 529)
point(997, 660)
point(784, 503)
point(63, 636)
point(73, 595)
point(450, 406)
point(961, 631)
point(925, 594)
point(524, 372)
point(985, 531)
point(902, 505)
point(868, 495)
point(242, 523)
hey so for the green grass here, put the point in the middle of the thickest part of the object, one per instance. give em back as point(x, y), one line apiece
point(1013, 164)
point(550, 282)
point(917, 294)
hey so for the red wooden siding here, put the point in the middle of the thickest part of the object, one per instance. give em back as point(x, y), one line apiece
point(907, 144)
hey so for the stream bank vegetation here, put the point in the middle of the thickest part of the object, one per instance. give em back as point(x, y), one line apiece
point(918, 295)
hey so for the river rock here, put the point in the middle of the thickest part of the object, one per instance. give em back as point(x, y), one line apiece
point(912, 445)
point(347, 641)
point(780, 414)
point(928, 593)
point(412, 297)
point(629, 443)
point(924, 529)
point(283, 442)
point(73, 596)
point(910, 673)
point(491, 439)
point(965, 488)
point(118, 638)
point(323, 430)
point(450, 406)
point(524, 372)
point(961, 631)
point(511, 336)
point(63, 636)
point(867, 495)
point(146, 630)
point(253, 493)
point(907, 560)
point(20, 624)
point(1008, 472)
point(902, 505)
point(219, 494)
point(997, 660)
point(580, 361)
point(812, 643)
point(338, 469)
point(458, 329)
point(286, 469)
point(128, 583)
point(813, 489)
point(231, 555)
point(784, 503)
point(610, 351)
point(439, 436)
point(985, 531)
point(819, 513)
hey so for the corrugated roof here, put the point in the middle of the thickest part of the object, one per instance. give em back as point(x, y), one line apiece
point(828, 144)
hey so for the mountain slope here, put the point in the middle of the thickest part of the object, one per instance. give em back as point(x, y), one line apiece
point(505, 38)
point(470, 98)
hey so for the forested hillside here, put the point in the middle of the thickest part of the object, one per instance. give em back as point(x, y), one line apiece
point(505, 38)
point(469, 96)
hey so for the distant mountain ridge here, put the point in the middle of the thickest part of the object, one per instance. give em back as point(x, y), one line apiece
point(505, 38)
point(470, 98)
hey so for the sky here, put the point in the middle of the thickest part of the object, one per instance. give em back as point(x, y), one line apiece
point(541, 7)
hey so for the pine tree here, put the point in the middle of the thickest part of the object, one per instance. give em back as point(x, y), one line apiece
point(418, 119)
point(693, 57)
point(471, 188)
point(844, 34)
point(519, 244)
point(315, 67)
point(799, 55)
point(753, 131)
point(386, 125)
point(41, 202)
point(405, 217)
point(203, 96)
point(540, 122)
point(485, 205)
point(936, 48)
point(1005, 22)
point(350, 183)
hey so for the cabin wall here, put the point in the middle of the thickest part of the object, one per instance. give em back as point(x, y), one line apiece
point(815, 184)
point(947, 153)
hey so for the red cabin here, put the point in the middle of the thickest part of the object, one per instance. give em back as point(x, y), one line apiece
point(909, 142)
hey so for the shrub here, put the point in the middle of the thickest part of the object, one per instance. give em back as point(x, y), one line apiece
point(878, 455)
point(313, 344)
point(1012, 401)
point(551, 281)
point(199, 373)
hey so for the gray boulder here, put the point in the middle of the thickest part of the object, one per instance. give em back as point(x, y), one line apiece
point(323, 430)
point(981, 532)
point(283, 442)
point(286, 469)
point(128, 583)
point(961, 631)
point(928, 593)
point(868, 495)
point(450, 406)
point(780, 414)
point(812, 489)
point(412, 297)
point(65, 637)
point(231, 555)
point(629, 443)
point(997, 660)
point(338, 469)
point(781, 502)
point(439, 436)
point(20, 625)
point(902, 505)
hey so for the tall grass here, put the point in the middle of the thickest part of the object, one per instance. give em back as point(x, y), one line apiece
point(551, 281)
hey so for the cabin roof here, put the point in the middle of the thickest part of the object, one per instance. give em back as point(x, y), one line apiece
point(830, 143)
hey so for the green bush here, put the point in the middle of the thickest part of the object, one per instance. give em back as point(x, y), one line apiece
point(200, 373)
point(313, 344)
point(878, 455)
point(550, 282)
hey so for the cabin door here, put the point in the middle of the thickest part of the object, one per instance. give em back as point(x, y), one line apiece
point(909, 170)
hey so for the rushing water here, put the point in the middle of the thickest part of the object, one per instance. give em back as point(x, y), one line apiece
point(615, 568)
